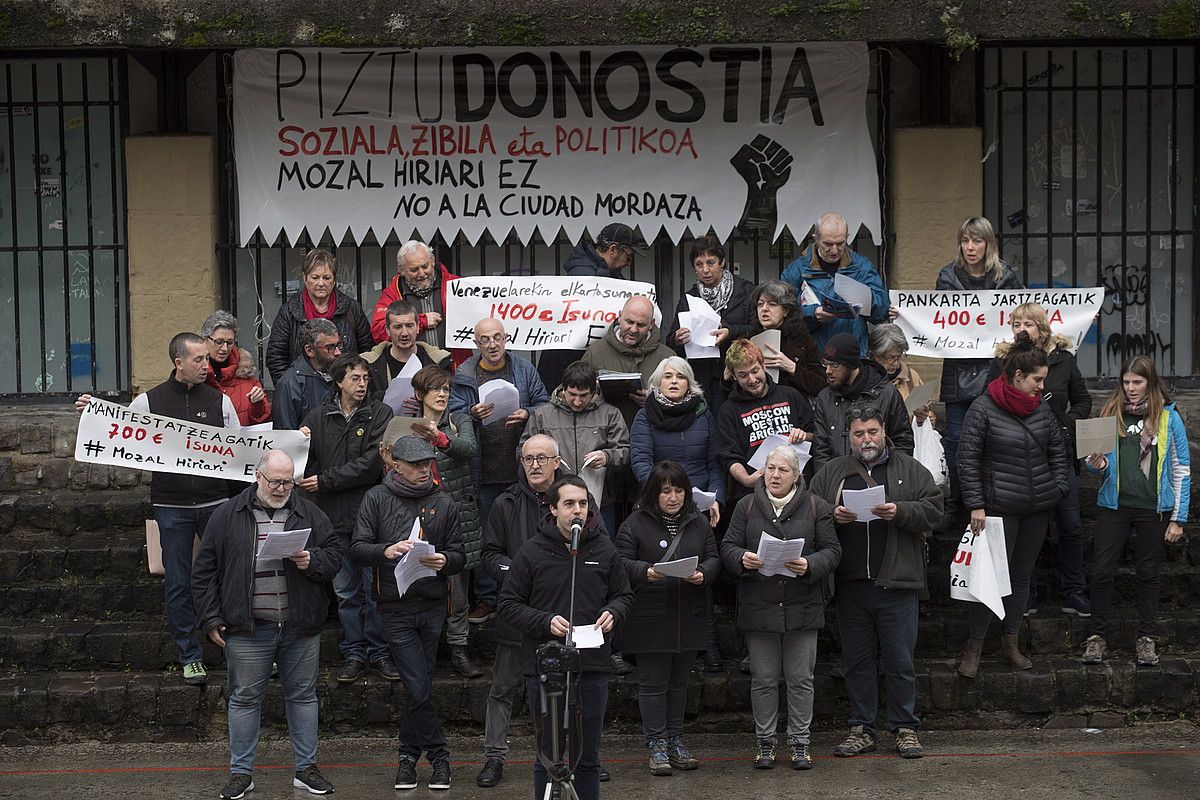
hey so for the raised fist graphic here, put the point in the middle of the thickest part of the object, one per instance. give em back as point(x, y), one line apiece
point(765, 166)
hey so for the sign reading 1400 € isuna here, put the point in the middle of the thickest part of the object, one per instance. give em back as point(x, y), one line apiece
point(504, 139)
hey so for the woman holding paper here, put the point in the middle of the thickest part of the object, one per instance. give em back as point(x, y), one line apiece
point(728, 296)
point(797, 358)
point(780, 546)
point(1146, 489)
point(668, 624)
point(453, 435)
point(1012, 464)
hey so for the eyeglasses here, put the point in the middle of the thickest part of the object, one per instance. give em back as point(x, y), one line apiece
point(539, 460)
point(330, 348)
point(864, 412)
point(274, 484)
point(223, 342)
point(499, 338)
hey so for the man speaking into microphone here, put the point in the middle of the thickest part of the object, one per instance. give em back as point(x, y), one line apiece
point(536, 599)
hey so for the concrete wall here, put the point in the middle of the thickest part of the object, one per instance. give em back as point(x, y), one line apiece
point(937, 182)
point(173, 270)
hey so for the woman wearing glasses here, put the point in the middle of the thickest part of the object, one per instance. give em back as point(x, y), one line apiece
point(453, 436)
point(797, 359)
point(231, 371)
point(729, 296)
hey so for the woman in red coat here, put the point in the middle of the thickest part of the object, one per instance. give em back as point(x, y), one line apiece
point(231, 370)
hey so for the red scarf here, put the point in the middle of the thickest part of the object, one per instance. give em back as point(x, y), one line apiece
point(310, 308)
point(1013, 400)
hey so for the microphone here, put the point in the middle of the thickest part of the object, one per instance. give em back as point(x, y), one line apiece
point(576, 532)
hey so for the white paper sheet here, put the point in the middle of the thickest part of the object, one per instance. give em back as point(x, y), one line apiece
point(776, 552)
point(702, 328)
point(759, 459)
point(772, 339)
point(587, 637)
point(861, 501)
point(679, 568)
point(1095, 435)
point(259, 428)
point(414, 535)
point(856, 293)
point(808, 297)
point(281, 544)
point(400, 387)
point(703, 500)
point(920, 396)
point(594, 478)
point(410, 569)
point(505, 397)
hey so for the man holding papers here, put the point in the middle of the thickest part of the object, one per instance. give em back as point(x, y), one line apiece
point(388, 359)
point(412, 621)
point(536, 599)
point(264, 610)
point(885, 503)
point(632, 344)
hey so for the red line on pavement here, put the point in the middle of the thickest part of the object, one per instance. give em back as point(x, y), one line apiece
point(1190, 751)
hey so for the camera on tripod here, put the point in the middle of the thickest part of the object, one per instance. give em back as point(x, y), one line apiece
point(554, 662)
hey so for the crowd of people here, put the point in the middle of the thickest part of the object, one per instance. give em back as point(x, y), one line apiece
point(508, 514)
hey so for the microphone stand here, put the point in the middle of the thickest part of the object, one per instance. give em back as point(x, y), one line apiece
point(562, 775)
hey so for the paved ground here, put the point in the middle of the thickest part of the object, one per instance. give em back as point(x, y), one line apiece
point(1147, 761)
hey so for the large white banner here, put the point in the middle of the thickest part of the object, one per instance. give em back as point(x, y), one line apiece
point(500, 139)
point(971, 324)
point(555, 312)
point(121, 437)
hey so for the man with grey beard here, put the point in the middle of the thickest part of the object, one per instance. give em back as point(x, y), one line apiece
point(880, 578)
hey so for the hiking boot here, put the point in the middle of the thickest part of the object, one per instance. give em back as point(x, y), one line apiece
point(236, 787)
point(1146, 654)
point(194, 673)
point(352, 671)
point(679, 756)
point(406, 774)
point(1094, 649)
point(660, 763)
point(312, 781)
point(766, 754)
point(619, 665)
point(1078, 604)
point(491, 774)
point(481, 613)
point(386, 669)
point(440, 779)
point(1012, 653)
point(968, 666)
point(462, 662)
point(907, 744)
point(801, 758)
point(712, 660)
point(857, 743)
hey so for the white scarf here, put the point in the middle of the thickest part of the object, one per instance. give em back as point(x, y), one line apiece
point(780, 503)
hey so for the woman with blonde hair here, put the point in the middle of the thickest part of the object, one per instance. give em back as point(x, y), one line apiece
point(1146, 489)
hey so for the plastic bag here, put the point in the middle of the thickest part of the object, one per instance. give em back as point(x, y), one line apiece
point(927, 449)
point(979, 571)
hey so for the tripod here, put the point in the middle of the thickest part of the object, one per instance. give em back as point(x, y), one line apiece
point(560, 773)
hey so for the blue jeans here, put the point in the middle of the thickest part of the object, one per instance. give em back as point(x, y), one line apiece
point(878, 622)
point(177, 528)
point(248, 657)
point(362, 628)
point(413, 639)
point(591, 689)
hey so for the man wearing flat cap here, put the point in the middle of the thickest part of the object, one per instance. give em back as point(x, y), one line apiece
point(412, 621)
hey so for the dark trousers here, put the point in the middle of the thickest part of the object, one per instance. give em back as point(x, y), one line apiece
point(1023, 539)
point(591, 690)
point(955, 414)
point(1112, 529)
point(662, 692)
point(1068, 545)
point(877, 622)
point(413, 641)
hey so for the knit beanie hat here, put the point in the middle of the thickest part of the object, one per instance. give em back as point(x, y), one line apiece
point(843, 349)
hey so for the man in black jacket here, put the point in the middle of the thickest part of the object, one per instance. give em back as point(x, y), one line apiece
point(855, 383)
point(343, 463)
point(306, 384)
point(267, 610)
point(410, 506)
point(880, 579)
point(534, 599)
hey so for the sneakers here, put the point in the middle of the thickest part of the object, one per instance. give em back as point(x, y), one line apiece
point(491, 774)
point(406, 774)
point(660, 764)
point(907, 744)
point(679, 756)
point(440, 779)
point(801, 759)
point(620, 666)
point(194, 673)
point(312, 781)
point(481, 613)
point(462, 662)
point(857, 743)
point(1032, 610)
point(1094, 649)
point(236, 787)
point(352, 671)
point(604, 776)
point(1146, 654)
point(766, 754)
point(386, 669)
point(1077, 604)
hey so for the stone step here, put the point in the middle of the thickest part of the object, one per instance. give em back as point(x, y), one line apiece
point(68, 511)
point(39, 556)
point(138, 706)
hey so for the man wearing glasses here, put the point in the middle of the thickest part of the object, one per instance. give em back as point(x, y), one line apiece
point(495, 464)
point(264, 611)
point(307, 384)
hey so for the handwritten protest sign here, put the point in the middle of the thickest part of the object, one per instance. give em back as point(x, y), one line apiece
point(113, 434)
point(971, 324)
point(562, 313)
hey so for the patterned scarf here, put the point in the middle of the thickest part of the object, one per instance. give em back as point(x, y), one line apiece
point(718, 296)
point(409, 289)
point(1148, 440)
point(396, 484)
